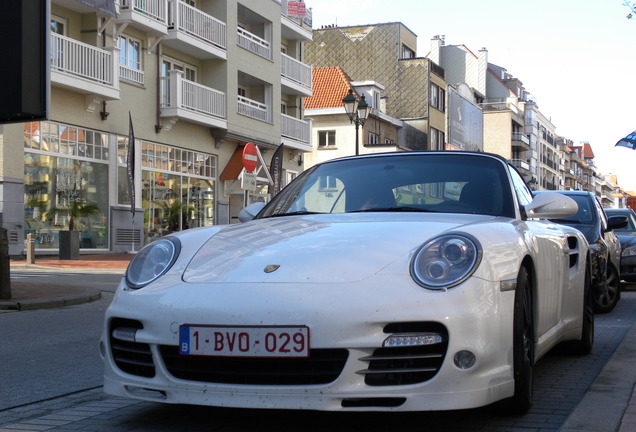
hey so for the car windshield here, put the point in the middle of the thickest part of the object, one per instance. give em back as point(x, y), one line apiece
point(631, 222)
point(585, 214)
point(445, 183)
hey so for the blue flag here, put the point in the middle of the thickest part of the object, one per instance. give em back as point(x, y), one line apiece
point(629, 141)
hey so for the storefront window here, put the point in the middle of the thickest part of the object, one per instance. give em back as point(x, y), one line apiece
point(123, 191)
point(62, 193)
point(177, 189)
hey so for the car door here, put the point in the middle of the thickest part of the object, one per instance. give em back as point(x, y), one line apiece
point(551, 261)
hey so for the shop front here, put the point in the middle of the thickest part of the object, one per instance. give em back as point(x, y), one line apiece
point(69, 173)
point(66, 185)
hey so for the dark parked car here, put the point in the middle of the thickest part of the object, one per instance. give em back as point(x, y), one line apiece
point(592, 221)
point(627, 238)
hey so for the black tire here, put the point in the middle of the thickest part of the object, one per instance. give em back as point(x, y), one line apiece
point(584, 345)
point(523, 344)
point(606, 300)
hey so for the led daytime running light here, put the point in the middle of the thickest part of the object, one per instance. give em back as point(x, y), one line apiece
point(413, 339)
point(125, 334)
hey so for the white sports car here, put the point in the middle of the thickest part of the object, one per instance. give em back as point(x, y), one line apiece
point(405, 281)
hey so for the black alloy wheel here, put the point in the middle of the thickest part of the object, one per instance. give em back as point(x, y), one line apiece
point(523, 344)
point(605, 301)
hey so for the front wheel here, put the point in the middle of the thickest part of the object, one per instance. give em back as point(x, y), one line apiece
point(606, 299)
point(523, 344)
point(584, 345)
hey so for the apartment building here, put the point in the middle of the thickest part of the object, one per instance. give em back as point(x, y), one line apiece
point(195, 80)
point(334, 135)
point(414, 88)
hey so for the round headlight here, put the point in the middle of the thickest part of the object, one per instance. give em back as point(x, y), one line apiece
point(152, 261)
point(446, 261)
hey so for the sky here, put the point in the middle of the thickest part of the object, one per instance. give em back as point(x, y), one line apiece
point(576, 57)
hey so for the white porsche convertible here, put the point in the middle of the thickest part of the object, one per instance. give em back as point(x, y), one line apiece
point(405, 281)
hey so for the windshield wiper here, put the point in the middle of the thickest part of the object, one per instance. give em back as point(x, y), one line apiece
point(569, 221)
point(392, 209)
point(295, 213)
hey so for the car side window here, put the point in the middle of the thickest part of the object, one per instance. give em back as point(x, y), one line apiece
point(521, 188)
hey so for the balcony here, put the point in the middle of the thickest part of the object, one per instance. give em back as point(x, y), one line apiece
point(296, 76)
point(254, 44)
point(186, 100)
point(148, 15)
point(130, 74)
point(296, 133)
point(194, 32)
point(520, 140)
point(254, 109)
point(84, 69)
point(521, 164)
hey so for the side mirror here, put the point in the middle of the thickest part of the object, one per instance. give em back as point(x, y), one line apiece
point(250, 212)
point(551, 205)
point(616, 222)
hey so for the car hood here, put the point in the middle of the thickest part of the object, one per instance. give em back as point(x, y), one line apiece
point(316, 249)
point(589, 231)
point(626, 238)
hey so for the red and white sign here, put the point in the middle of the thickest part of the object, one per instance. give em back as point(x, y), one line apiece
point(250, 157)
point(244, 341)
point(296, 9)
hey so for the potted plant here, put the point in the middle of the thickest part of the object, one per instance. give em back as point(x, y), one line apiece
point(70, 239)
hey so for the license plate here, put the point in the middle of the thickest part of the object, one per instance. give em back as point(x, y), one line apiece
point(244, 341)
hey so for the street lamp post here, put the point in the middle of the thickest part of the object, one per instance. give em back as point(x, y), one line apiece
point(357, 110)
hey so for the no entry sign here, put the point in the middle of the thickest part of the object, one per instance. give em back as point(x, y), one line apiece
point(250, 157)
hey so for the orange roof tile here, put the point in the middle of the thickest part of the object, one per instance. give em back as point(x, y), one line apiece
point(587, 151)
point(330, 85)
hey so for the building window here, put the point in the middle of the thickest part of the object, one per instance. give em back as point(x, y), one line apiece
point(189, 72)
point(177, 190)
point(130, 52)
point(438, 97)
point(438, 139)
point(66, 172)
point(326, 138)
point(407, 53)
point(58, 25)
point(374, 138)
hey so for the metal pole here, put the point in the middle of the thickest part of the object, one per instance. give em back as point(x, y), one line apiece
point(357, 125)
point(5, 268)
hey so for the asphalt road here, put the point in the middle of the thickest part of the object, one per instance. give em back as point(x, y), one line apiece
point(49, 365)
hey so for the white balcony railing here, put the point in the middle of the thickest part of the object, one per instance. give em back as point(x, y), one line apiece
point(253, 109)
point(516, 136)
point(131, 74)
point(155, 9)
point(253, 43)
point(294, 128)
point(82, 60)
point(177, 92)
point(296, 71)
point(197, 23)
point(519, 163)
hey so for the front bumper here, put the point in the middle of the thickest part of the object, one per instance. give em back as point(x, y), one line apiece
point(476, 317)
point(628, 268)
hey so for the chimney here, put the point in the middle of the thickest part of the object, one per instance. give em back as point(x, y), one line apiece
point(482, 71)
point(436, 45)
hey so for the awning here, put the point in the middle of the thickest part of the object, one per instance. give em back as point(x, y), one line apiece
point(234, 166)
point(105, 6)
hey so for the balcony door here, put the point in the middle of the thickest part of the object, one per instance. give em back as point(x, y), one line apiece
point(189, 74)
